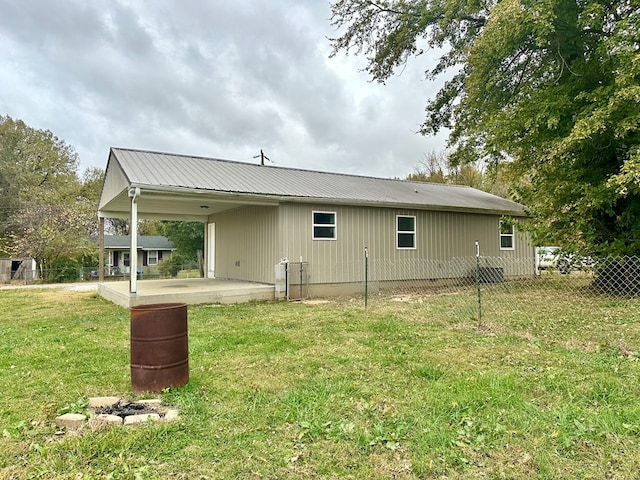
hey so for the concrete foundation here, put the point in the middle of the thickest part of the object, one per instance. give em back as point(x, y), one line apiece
point(191, 291)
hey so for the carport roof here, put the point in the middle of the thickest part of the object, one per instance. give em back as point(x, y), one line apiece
point(173, 185)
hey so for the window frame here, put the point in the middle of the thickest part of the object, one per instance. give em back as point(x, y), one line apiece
point(406, 232)
point(149, 257)
point(511, 235)
point(315, 225)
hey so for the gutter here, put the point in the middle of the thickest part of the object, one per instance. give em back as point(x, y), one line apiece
point(277, 199)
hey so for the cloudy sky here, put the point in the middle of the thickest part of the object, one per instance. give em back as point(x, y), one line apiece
point(218, 78)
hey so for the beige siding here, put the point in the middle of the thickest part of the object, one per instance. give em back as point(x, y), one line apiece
point(251, 240)
point(440, 237)
point(114, 183)
point(246, 243)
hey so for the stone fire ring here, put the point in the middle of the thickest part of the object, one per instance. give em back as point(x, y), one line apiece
point(115, 411)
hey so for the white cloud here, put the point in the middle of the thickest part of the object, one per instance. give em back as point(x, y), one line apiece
point(217, 78)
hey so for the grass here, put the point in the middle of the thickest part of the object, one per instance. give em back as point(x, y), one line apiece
point(292, 390)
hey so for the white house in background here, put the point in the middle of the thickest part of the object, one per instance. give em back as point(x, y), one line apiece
point(152, 249)
point(257, 216)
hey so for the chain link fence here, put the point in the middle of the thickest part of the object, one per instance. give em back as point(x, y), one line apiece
point(490, 288)
point(475, 288)
point(90, 273)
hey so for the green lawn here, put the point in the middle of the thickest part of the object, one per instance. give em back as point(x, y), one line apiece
point(292, 390)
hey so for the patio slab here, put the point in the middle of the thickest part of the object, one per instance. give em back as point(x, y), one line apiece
point(191, 291)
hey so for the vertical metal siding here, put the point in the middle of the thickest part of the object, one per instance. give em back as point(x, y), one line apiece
point(246, 243)
point(114, 183)
point(440, 237)
point(251, 240)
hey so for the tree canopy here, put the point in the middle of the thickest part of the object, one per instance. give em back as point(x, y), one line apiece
point(549, 87)
point(188, 237)
point(46, 211)
point(35, 167)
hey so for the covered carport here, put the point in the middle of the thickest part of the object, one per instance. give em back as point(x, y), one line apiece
point(136, 188)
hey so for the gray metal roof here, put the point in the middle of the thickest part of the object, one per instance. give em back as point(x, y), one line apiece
point(160, 171)
point(145, 242)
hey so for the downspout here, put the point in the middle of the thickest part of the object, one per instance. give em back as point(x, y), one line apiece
point(134, 193)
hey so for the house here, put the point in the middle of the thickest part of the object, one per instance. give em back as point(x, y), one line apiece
point(152, 249)
point(258, 217)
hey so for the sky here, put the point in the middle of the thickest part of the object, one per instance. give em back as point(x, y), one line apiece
point(213, 78)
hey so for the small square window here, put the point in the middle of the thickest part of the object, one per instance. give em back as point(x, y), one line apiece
point(405, 232)
point(506, 236)
point(324, 226)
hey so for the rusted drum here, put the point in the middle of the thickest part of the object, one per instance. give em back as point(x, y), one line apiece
point(159, 347)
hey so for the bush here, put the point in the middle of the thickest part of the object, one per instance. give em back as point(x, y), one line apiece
point(619, 277)
point(68, 269)
point(171, 266)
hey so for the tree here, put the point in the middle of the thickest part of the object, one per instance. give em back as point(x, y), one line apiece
point(35, 166)
point(188, 237)
point(437, 168)
point(551, 87)
point(432, 168)
point(46, 211)
point(50, 232)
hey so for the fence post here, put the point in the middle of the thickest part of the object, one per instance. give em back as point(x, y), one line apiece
point(366, 276)
point(478, 283)
point(301, 271)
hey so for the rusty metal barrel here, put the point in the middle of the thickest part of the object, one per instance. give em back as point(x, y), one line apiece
point(159, 347)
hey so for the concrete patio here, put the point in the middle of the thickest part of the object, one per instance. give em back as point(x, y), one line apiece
point(189, 290)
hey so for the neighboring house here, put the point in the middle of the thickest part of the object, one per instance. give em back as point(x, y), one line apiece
point(256, 216)
point(151, 251)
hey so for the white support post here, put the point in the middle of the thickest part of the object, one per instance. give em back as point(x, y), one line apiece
point(133, 252)
point(101, 249)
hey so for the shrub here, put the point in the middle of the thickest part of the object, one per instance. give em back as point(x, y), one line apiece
point(619, 276)
point(170, 267)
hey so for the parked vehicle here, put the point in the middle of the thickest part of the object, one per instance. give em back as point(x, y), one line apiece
point(569, 262)
point(555, 258)
point(547, 257)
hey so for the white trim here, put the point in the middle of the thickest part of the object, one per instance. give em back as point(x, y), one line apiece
point(511, 235)
point(405, 232)
point(334, 225)
point(149, 257)
point(210, 233)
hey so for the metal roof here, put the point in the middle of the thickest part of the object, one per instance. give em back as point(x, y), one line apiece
point(145, 242)
point(158, 171)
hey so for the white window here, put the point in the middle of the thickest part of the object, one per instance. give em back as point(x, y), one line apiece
point(125, 259)
point(506, 236)
point(152, 257)
point(405, 232)
point(324, 226)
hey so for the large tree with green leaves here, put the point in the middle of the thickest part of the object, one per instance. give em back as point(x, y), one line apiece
point(549, 87)
point(46, 211)
point(35, 166)
point(188, 237)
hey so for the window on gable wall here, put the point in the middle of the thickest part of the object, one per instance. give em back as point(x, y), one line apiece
point(506, 236)
point(324, 226)
point(405, 232)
